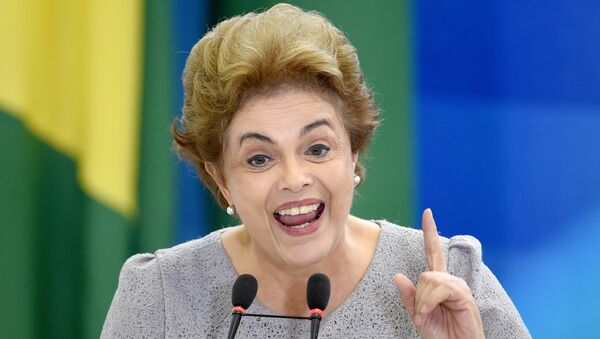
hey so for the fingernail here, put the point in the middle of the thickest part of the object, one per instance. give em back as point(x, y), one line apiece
point(424, 309)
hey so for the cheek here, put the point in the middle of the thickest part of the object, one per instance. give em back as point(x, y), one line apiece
point(340, 184)
point(250, 192)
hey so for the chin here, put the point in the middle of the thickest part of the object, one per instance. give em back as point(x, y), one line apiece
point(309, 246)
point(312, 253)
point(305, 259)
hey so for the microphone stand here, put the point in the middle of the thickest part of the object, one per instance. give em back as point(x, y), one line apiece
point(236, 316)
point(314, 326)
point(315, 321)
point(274, 316)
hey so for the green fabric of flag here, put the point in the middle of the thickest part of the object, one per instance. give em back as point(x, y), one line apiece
point(86, 168)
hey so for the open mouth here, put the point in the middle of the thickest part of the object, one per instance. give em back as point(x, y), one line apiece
point(299, 217)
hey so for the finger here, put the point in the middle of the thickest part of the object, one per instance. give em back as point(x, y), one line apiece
point(433, 249)
point(427, 294)
point(435, 297)
point(406, 289)
point(442, 288)
point(428, 281)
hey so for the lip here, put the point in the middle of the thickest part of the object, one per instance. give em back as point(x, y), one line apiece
point(302, 231)
point(298, 203)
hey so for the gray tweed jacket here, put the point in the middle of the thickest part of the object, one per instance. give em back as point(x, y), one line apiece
point(185, 292)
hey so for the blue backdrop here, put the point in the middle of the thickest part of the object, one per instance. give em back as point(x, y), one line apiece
point(191, 21)
point(508, 121)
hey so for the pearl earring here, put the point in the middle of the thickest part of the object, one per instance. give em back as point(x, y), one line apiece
point(231, 210)
point(357, 179)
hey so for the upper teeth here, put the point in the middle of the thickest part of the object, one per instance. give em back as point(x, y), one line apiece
point(299, 210)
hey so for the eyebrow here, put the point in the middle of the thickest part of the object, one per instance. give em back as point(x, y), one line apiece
point(305, 130)
point(257, 136)
point(314, 125)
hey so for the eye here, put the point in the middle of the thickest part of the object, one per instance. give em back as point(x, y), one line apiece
point(318, 150)
point(259, 160)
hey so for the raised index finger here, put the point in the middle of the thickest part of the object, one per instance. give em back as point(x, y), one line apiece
point(433, 249)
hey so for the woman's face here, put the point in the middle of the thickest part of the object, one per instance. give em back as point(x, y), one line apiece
point(288, 169)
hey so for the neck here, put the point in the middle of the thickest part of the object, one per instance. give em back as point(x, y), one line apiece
point(282, 288)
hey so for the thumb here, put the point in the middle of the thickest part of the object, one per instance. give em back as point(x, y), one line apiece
point(407, 292)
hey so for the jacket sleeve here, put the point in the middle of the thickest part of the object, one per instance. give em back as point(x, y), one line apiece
point(137, 309)
point(499, 316)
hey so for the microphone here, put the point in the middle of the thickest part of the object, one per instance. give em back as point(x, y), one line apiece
point(242, 296)
point(317, 297)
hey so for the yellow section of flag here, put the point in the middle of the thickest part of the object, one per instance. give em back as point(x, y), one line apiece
point(71, 71)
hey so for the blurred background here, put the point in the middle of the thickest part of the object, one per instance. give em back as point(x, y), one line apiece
point(491, 117)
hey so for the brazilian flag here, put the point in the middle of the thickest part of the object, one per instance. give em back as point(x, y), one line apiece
point(86, 171)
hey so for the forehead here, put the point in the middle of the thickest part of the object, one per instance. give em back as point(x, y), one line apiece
point(283, 112)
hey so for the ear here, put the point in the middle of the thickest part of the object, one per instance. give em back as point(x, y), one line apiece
point(354, 160)
point(219, 179)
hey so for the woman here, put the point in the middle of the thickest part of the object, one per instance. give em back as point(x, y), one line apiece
point(275, 118)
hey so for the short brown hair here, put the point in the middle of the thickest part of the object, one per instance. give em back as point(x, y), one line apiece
point(247, 54)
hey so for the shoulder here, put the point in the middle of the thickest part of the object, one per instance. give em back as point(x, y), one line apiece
point(161, 290)
point(192, 254)
point(414, 236)
point(405, 252)
point(199, 267)
point(195, 255)
point(404, 245)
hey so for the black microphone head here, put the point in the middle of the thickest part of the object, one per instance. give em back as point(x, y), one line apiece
point(317, 291)
point(244, 291)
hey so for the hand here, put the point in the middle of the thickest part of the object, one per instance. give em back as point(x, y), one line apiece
point(441, 306)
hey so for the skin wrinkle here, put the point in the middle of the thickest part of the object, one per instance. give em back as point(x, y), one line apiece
point(261, 55)
point(258, 138)
point(278, 89)
point(280, 110)
point(294, 121)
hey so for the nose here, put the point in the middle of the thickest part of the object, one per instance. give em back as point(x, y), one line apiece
point(294, 176)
